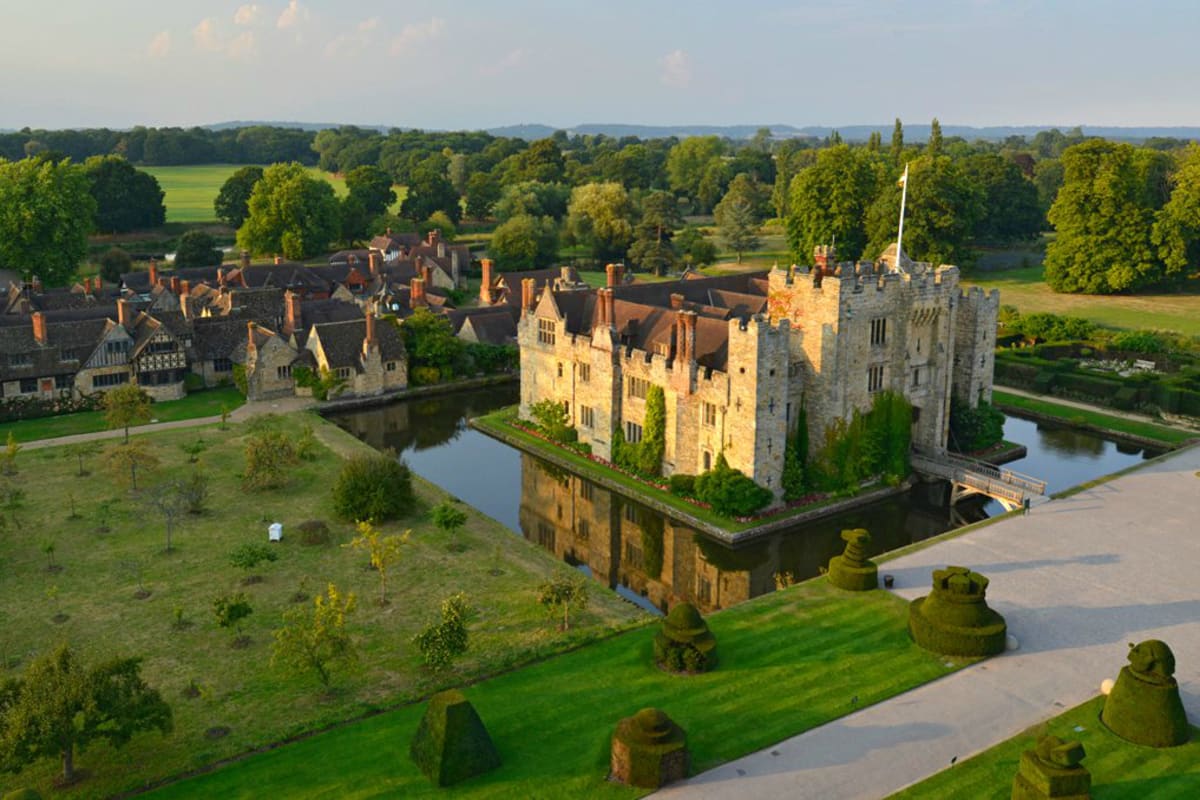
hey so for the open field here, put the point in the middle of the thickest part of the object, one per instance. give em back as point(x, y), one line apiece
point(207, 403)
point(1120, 770)
point(1093, 419)
point(788, 661)
point(190, 190)
point(115, 542)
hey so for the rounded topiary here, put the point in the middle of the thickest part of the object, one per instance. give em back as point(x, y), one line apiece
point(852, 570)
point(685, 643)
point(954, 619)
point(649, 750)
point(1052, 769)
point(451, 743)
point(1144, 705)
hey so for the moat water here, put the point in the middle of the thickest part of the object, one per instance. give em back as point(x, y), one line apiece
point(651, 559)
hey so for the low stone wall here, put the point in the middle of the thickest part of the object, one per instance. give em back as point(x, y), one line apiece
point(351, 403)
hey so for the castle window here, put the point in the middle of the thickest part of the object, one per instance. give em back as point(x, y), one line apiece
point(282, 373)
point(637, 387)
point(875, 378)
point(585, 373)
point(633, 556)
point(20, 360)
point(631, 513)
point(582, 529)
point(707, 461)
point(587, 417)
point(390, 366)
point(546, 331)
point(916, 377)
point(709, 415)
point(704, 591)
point(162, 346)
point(633, 432)
point(586, 490)
point(878, 331)
point(560, 369)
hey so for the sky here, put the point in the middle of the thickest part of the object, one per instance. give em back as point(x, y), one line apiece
point(473, 64)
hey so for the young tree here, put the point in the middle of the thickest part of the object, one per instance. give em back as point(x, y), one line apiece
point(46, 215)
point(114, 263)
point(126, 198)
point(442, 642)
point(197, 249)
point(449, 518)
point(167, 499)
point(59, 707)
point(599, 218)
point(249, 555)
point(696, 250)
point(81, 451)
point(291, 213)
point(9, 456)
point(897, 151)
point(233, 201)
point(652, 248)
point(230, 611)
point(384, 551)
point(318, 640)
point(563, 593)
point(654, 439)
point(737, 216)
point(430, 341)
point(128, 459)
point(125, 406)
point(269, 453)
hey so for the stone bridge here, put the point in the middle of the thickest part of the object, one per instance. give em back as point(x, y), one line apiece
point(969, 476)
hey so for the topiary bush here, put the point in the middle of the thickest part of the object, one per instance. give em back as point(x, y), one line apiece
point(648, 750)
point(682, 485)
point(852, 570)
point(954, 619)
point(1052, 769)
point(685, 643)
point(1144, 706)
point(451, 743)
point(374, 488)
point(730, 492)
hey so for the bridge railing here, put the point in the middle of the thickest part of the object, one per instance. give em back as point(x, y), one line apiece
point(979, 475)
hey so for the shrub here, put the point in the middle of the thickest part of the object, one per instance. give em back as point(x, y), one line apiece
point(442, 642)
point(729, 491)
point(685, 644)
point(194, 492)
point(654, 442)
point(954, 619)
point(552, 418)
point(973, 429)
point(313, 532)
point(451, 743)
point(1147, 342)
point(249, 555)
point(269, 453)
point(374, 488)
point(424, 376)
point(682, 485)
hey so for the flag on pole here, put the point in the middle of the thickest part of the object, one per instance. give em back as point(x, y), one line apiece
point(903, 178)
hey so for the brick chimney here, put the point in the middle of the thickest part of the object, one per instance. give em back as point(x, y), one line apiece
point(610, 272)
point(98, 284)
point(369, 342)
point(251, 345)
point(601, 310)
point(245, 259)
point(87, 285)
point(185, 297)
point(175, 284)
point(433, 237)
point(185, 288)
point(153, 272)
point(278, 259)
point(689, 336)
point(416, 296)
point(620, 274)
point(291, 312)
point(825, 257)
point(124, 313)
point(676, 300)
point(485, 288)
point(39, 327)
point(36, 284)
point(427, 273)
point(221, 275)
point(374, 261)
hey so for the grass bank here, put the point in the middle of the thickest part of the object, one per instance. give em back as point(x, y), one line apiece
point(789, 661)
point(207, 403)
point(108, 542)
point(1094, 420)
point(1120, 770)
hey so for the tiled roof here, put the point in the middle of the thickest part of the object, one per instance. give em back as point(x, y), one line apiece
point(342, 341)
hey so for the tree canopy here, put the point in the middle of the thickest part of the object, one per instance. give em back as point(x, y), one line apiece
point(652, 248)
point(739, 213)
point(524, 242)
point(828, 202)
point(599, 217)
point(232, 203)
point(197, 248)
point(372, 187)
point(46, 212)
point(290, 212)
point(126, 198)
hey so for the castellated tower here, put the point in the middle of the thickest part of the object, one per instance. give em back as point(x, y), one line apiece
point(756, 420)
point(975, 320)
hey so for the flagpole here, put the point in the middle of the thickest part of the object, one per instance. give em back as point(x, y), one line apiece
point(903, 197)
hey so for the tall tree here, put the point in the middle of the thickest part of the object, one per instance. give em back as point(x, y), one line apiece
point(935, 138)
point(535, 199)
point(652, 247)
point(482, 193)
point(59, 707)
point(829, 202)
point(372, 187)
point(126, 198)
point(1104, 218)
point(738, 215)
point(197, 249)
point(114, 263)
point(942, 208)
point(524, 242)
point(1177, 228)
point(897, 150)
point(290, 212)
point(46, 214)
point(598, 217)
point(688, 161)
point(429, 190)
point(1010, 210)
point(232, 203)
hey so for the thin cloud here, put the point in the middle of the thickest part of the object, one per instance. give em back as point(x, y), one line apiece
point(292, 16)
point(416, 33)
point(676, 69)
point(353, 42)
point(247, 14)
point(160, 45)
point(242, 46)
point(205, 35)
point(512, 60)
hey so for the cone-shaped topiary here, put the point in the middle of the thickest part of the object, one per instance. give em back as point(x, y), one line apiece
point(649, 750)
point(954, 619)
point(852, 570)
point(685, 644)
point(1144, 706)
point(451, 743)
point(1052, 770)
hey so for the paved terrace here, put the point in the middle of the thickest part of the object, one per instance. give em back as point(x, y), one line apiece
point(1077, 580)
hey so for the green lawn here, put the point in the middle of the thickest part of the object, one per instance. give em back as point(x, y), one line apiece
point(102, 553)
point(1120, 770)
point(789, 661)
point(190, 190)
point(207, 403)
point(1093, 419)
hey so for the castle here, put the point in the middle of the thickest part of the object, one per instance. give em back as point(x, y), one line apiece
point(738, 356)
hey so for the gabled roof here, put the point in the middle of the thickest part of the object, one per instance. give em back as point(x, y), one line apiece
point(342, 341)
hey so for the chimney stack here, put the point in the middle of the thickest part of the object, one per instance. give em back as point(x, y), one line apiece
point(251, 345)
point(689, 321)
point(244, 259)
point(528, 291)
point(124, 313)
point(427, 273)
point(676, 301)
point(485, 288)
point(175, 284)
point(292, 312)
point(39, 327)
point(433, 237)
point(825, 257)
point(87, 285)
point(221, 276)
point(601, 310)
point(374, 258)
point(153, 273)
point(416, 296)
point(369, 342)
point(98, 284)
point(620, 274)
point(278, 259)
point(611, 274)
point(185, 297)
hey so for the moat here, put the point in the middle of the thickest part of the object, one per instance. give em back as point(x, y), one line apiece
point(651, 559)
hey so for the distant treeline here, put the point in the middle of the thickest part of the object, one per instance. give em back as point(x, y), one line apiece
point(166, 146)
